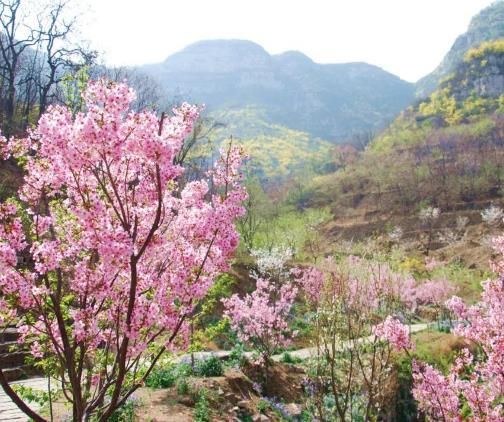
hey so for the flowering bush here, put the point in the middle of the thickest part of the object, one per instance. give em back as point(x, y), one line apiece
point(311, 283)
point(474, 388)
point(429, 214)
point(492, 215)
point(353, 363)
point(261, 318)
point(118, 251)
point(393, 331)
point(396, 234)
point(272, 263)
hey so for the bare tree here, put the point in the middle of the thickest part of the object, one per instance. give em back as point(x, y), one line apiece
point(59, 53)
point(12, 45)
point(149, 93)
point(35, 52)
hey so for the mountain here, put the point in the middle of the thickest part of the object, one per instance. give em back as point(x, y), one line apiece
point(329, 101)
point(485, 26)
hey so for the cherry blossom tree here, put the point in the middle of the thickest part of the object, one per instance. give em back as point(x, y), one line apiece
point(474, 388)
point(311, 283)
point(353, 363)
point(261, 317)
point(101, 265)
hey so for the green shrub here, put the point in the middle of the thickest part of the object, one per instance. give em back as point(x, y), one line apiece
point(288, 358)
point(262, 406)
point(202, 409)
point(167, 376)
point(126, 413)
point(237, 356)
point(161, 378)
point(182, 387)
point(209, 367)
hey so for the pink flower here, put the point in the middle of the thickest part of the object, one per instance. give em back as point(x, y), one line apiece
point(121, 248)
point(393, 331)
point(261, 318)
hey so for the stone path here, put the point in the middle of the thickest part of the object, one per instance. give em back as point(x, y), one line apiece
point(9, 412)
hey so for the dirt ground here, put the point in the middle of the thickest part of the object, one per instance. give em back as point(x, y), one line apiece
point(230, 396)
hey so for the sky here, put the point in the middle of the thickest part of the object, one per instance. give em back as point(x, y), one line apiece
point(406, 37)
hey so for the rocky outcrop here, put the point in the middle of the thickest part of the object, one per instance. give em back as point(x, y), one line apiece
point(485, 26)
point(482, 77)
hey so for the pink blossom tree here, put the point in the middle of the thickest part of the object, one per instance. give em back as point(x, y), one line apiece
point(474, 388)
point(311, 283)
point(117, 252)
point(353, 360)
point(261, 317)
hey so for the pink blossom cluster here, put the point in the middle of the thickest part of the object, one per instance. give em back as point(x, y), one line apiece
point(311, 282)
point(434, 292)
point(475, 382)
point(393, 331)
point(121, 251)
point(370, 284)
point(435, 392)
point(261, 317)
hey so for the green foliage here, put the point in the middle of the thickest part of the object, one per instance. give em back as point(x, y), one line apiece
point(125, 413)
point(276, 152)
point(437, 348)
point(288, 358)
point(290, 228)
point(207, 324)
point(73, 86)
point(209, 367)
point(442, 104)
point(31, 394)
point(161, 378)
point(263, 405)
point(202, 409)
point(484, 49)
point(237, 356)
point(183, 388)
point(165, 376)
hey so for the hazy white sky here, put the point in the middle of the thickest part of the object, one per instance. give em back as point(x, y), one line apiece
point(406, 37)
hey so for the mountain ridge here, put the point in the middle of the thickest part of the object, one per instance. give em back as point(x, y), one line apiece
point(330, 101)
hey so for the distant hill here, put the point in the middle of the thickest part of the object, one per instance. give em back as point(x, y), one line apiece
point(485, 26)
point(329, 101)
point(445, 151)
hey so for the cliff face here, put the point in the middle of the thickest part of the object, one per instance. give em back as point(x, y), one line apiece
point(486, 26)
point(481, 74)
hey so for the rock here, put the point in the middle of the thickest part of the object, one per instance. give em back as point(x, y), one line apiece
point(294, 409)
point(186, 401)
point(263, 418)
point(220, 391)
point(243, 404)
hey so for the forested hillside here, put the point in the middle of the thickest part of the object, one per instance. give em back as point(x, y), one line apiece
point(445, 151)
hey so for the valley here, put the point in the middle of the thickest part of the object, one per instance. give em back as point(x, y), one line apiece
point(235, 235)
